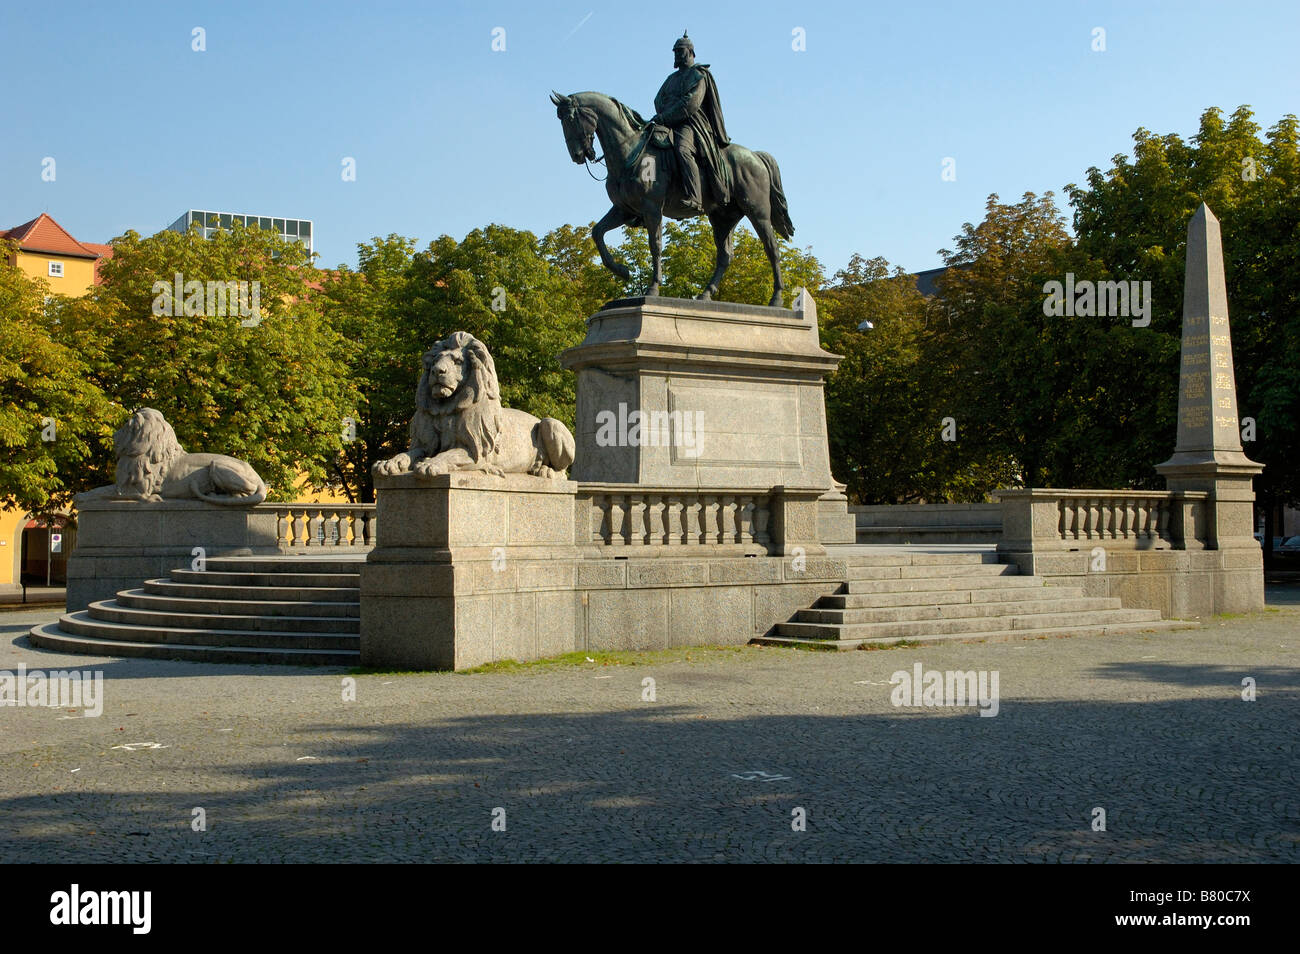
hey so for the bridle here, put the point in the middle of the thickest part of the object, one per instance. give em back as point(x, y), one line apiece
point(586, 163)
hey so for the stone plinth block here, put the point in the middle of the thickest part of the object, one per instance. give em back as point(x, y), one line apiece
point(681, 393)
point(122, 543)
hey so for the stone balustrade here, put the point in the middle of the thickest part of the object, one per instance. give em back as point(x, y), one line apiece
point(323, 526)
point(673, 517)
point(1047, 519)
point(740, 520)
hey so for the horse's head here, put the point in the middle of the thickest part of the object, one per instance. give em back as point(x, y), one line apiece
point(579, 125)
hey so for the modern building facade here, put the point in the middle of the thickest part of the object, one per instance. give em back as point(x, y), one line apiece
point(297, 230)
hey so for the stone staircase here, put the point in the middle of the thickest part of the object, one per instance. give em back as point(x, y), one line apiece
point(286, 610)
point(899, 596)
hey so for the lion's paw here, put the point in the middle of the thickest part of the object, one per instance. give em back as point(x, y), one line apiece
point(429, 468)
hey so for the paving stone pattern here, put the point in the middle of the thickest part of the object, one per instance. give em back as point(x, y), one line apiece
point(1150, 727)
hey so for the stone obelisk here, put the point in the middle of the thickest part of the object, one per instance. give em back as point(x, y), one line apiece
point(1208, 455)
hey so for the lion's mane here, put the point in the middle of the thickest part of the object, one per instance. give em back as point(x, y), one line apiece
point(475, 404)
point(146, 447)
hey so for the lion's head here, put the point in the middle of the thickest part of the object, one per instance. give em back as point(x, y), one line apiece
point(145, 447)
point(459, 378)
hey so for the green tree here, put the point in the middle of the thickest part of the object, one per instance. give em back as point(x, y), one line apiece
point(363, 306)
point(690, 255)
point(54, 420)
point(270, 387)
point(1133, 218)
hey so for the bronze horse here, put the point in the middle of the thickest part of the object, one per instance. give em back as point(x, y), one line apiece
point(641, 196)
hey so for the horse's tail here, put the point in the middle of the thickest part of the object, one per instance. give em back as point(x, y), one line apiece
point(780, 211)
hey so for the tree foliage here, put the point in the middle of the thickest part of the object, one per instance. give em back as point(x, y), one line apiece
point(271, 388)
point(54, 420)
point(1133, 218)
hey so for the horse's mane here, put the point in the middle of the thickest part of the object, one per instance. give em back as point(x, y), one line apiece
point(630, 115)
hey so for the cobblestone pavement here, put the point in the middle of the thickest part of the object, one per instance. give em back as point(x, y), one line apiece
point(1153, 729)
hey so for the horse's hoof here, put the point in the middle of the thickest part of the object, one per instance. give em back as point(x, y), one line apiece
point(776, 301)
point(705, 295)
point(652, 291)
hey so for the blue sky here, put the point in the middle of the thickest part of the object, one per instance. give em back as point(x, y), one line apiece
point(449, 135)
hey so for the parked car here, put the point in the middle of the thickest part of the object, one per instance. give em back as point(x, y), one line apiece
point(1289, 545)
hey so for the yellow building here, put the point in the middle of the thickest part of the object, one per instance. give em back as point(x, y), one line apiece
point(46, 250)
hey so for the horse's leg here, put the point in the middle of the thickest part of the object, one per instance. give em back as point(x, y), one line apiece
point(613, 219)
point(654, 227)
point(767, 235)
point(723, 222)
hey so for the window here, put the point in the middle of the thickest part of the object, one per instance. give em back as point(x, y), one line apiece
point(56, 269)
point(304, 229)
point(264, 224)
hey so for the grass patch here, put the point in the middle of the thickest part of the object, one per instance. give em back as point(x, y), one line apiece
point(599, 660)
point(901, 644)
point(576, 660)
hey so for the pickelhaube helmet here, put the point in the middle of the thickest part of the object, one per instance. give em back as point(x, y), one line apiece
point(684, 43)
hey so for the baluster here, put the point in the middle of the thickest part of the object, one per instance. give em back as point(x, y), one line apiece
point(617, 521)
point(299, 522)
point(673, 521)
point(730, 520)
point(655, 513)
point(745, 513)
point(762, 515)
point(694, 519)
point(1165, 512)
point(372, 527)
point(636, 520)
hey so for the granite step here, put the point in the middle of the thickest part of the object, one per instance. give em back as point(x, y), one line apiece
point(946, 597)
point(933, 571)
point(919, 629)
point(286, 564)
point(251, 620)
point(211, 577)
point(925, 584)
point(139, 599)
point(903, 558)
point(1005, 635)
point(312, 594)
point(898, 614)
point(50, 636)
point(82, 623)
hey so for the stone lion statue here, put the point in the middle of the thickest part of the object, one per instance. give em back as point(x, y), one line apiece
point(459, 423)
point(152, 466)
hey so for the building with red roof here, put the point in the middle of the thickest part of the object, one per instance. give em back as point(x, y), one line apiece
point(46, 250)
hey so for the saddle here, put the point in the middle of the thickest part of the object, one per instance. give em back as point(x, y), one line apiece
point(659, 140)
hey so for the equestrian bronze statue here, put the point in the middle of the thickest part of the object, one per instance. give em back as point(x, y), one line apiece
point(650, 177)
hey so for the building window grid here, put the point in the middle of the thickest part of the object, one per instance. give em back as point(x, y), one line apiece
point(298, 230)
